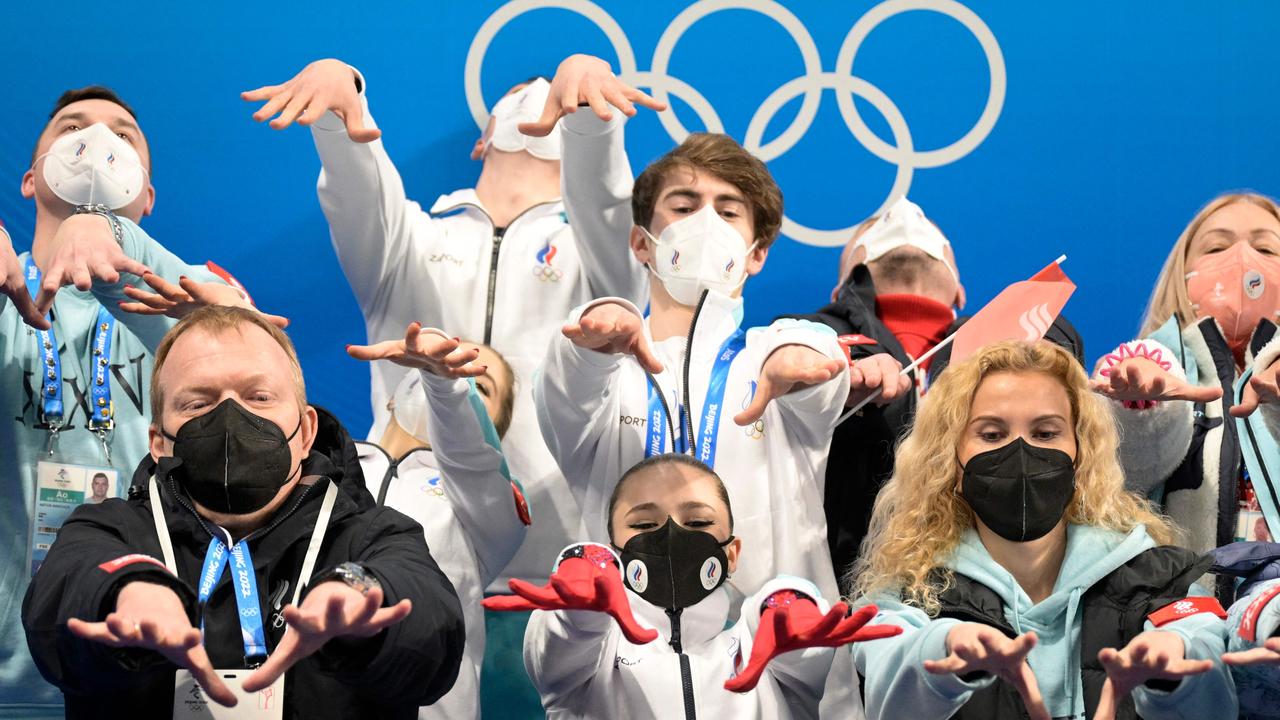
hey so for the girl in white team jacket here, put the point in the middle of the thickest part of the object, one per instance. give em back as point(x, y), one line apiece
point(655, 645)
point(439, 461)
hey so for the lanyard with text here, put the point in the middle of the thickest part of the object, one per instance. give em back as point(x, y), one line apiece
point(52, 407)
point(244, 582)
point(712, 409)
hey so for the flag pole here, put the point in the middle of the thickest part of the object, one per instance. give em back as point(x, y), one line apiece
point(947, 341)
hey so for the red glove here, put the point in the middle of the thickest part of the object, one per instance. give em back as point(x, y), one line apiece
point(588, 580)
point(790, 621)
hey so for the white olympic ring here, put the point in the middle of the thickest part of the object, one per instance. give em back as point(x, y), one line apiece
point(547, 273)
point(811, 85)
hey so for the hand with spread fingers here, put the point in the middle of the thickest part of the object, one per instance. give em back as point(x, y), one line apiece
point(178, 301)
point(330, 610)
point(1152, 655)
point(1141, 379)
point(972, 647)
point(151, 617)
point(579, 583)
point(790, 621)
point(13, 285)
point(1267, 654)
point(83, 250)
point(323, 85)
point(788, 368)
point(612, 328)
point(429, 350)
point(879, 375)
point(1263, 387)
point(586, 80)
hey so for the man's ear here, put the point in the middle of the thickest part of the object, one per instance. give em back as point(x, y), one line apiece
point(477, 150)
point(156, 442)
point(151, 200)
point(639, 243)
point(29, 183)
point(959, 296)
point(731, 552)
point(310, 426)
point(755, 260)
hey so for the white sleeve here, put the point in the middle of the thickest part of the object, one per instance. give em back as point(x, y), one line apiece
point(804, 672)
point(562, 650)
point(371, 222)
point(1153, 440)
point(810, 413)
point(596, 184)
point(466, 446)
point(572, 391)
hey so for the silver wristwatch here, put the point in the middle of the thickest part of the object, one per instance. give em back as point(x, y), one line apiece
point(99, 209)
point(355, 576)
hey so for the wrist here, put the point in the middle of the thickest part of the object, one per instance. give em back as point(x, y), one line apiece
point(113, 222)
point(351, 575)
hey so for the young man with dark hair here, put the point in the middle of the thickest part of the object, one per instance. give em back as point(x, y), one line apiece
point(619, 386)
point(72, 379)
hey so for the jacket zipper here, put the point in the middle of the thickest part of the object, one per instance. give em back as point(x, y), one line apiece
point(686, 672)
point(493, 284)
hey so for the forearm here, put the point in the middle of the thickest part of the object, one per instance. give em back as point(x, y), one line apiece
point(562, 650)
point(896, 683)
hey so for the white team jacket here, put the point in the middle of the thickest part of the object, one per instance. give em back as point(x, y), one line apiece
point(440, 268)
point(583, 667)
point(593, 410)
point(468, 508)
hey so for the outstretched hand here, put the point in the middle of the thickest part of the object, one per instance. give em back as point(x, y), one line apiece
point(789, 368)
point(1141, 379)
point(1152, 655)
point(151, 617)
point(1267, 654)
point(1263, 387)
point(83, 250)
point(972, 647)
point(591, 583)
point(331, 610)
point(792, 622)
point(323, 85)
point(585, 79)
point(178, 301)
point(13, 285)
point(878, 375)
point(613, 329)
point(431, 350)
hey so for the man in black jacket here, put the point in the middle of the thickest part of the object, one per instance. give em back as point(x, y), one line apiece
point(244, 477)
point(899, 283)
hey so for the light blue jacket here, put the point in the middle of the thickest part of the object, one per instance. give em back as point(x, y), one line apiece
point(23, 693)
point(1252, 619)
point(898, 686)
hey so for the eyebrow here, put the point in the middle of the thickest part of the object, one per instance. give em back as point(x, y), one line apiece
point(687, 192)
point(202, 389)
point(690, 505)
point(1002, 421)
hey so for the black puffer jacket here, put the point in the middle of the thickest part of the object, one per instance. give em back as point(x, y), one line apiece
point(410, 664)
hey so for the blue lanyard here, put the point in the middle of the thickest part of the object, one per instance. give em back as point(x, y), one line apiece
point(52, 408)
point(244, 583)
point(712, 409)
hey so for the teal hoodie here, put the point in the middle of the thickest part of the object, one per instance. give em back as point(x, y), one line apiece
point(895, 674)
point(23, 693)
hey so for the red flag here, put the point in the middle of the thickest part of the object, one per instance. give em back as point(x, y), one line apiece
point(1023, 311)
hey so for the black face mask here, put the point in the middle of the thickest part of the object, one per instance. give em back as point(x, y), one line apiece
point(1020, 491)
point(673, 567)
point(232, 461)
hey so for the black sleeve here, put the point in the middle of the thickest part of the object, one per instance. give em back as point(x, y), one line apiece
point(89, 563)
point(415, 661)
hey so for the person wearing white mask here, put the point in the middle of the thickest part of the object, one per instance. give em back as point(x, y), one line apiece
point(74, 368)
point(440, 462)
point(756, 405)
point(501, 263)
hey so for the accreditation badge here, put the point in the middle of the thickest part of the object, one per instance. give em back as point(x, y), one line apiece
point(191, 703)
point(61, 488)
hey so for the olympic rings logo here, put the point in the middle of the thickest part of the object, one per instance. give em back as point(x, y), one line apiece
point(547, 273)
point(902, 153)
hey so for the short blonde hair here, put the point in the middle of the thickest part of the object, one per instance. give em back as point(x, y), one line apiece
point(919, 516)
point(215, 319)
point(1169, 298)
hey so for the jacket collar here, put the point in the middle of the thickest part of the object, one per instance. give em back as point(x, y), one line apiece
point(467, 200)
point(699, 624)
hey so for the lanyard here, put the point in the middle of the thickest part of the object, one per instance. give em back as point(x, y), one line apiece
point(52, 408)
point(712, 409)
point(245, 581)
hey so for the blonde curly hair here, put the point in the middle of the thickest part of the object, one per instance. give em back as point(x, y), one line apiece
point(919, 516)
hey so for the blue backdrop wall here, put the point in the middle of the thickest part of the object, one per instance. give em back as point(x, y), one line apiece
point(1089, 128)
